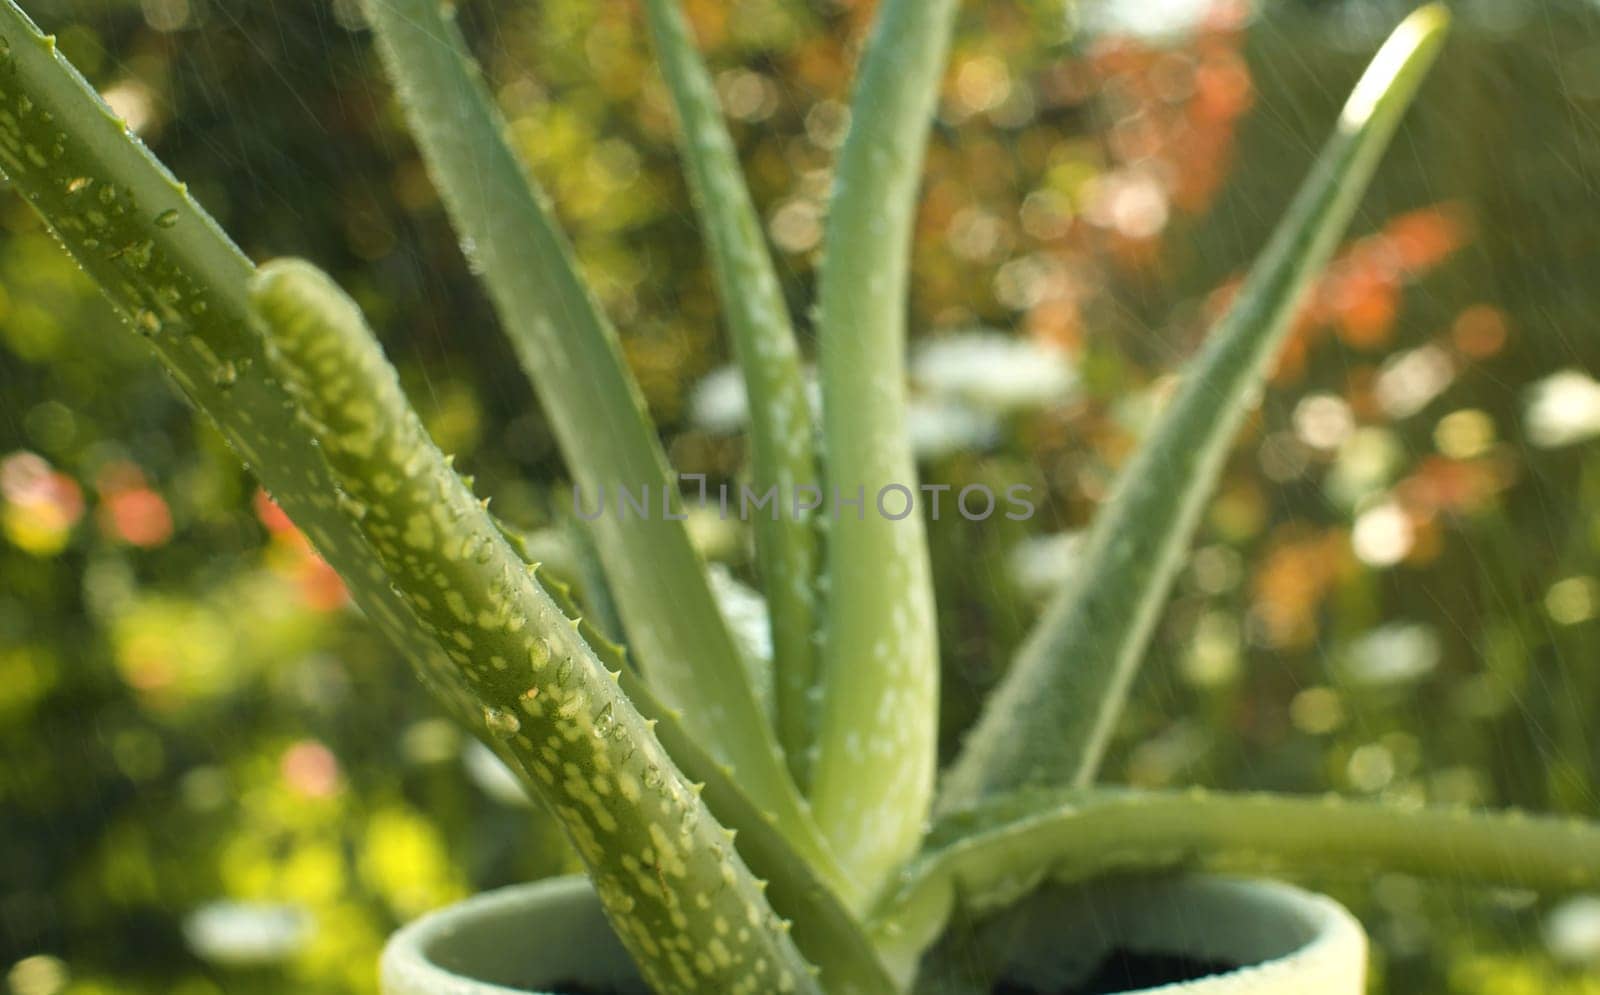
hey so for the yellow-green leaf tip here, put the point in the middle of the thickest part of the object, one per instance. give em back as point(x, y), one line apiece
point(1396, 71)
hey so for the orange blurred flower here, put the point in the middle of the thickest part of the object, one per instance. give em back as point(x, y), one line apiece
point(1298, 571)
point(311, 770)
point(130, 510)
point(1480, 331)
point(1441, 485)
point(321, 588)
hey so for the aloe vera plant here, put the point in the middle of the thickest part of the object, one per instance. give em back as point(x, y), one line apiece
point(736, 847)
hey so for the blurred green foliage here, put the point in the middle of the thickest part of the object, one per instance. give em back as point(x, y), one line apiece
point(214, 779)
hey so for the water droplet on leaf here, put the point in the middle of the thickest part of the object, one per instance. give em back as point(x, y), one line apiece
point(352, 506)
point(539, 654)
point(501, 722)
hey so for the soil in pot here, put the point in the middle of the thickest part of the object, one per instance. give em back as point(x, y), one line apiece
point(1120, 971)
point(1126, 971)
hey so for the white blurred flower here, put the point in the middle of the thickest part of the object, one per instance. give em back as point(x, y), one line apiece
point(965, 382)
point(1150, 19)
point(1040, 564)
point(1397, 653)
point(944, 428)
point(1572, 930)
point(718, 403)
point(1132, 202)
point(1410, 381)
point(247, 933)
point(1562, 409)
point(132, 101)
point(1323, 421)
point(1383, 535)
point(993, 371)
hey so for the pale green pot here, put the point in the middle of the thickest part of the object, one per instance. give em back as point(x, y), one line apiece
point(543, 937)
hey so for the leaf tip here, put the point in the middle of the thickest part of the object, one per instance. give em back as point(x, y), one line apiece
point(1392, 78)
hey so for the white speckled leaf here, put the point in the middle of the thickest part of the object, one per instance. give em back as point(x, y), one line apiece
point(873, 776)
point(782, 447)
point(676, 891)
point(571, 354)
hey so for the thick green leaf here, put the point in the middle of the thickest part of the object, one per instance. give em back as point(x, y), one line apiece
point(664, 868)
point(873, 776)
point(572, 356)
point(1050, 720)
point(804, 881)
point(782, 448)
point(993, 854)
point(797, 866)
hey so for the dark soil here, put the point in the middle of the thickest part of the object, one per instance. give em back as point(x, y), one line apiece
point(1126, 971)
point(1120, 971)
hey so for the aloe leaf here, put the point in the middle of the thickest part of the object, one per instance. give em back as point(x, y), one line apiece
point(732, 805)
point(782, 448)
point(591, 576)
point(664, 868)
point(564, 550)
point(873, 776)
point(571, 354)
point(802, 878)
point(992, 854)
point(1049, 721)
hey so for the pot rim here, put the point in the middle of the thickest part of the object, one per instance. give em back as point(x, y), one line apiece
point(406, 965)
point(1335, 940)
